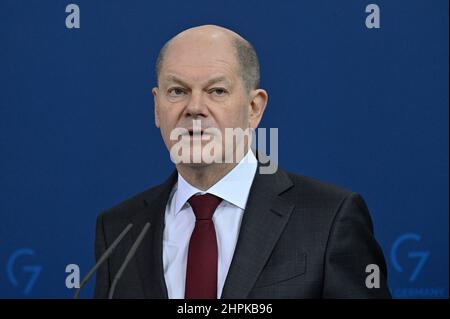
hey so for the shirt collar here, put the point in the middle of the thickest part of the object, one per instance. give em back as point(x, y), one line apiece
point(233, 187)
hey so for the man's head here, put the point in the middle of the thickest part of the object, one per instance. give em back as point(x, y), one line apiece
point(245, 54)
point(211, 74)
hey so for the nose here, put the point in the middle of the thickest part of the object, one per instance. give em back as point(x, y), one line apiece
point(196, 105)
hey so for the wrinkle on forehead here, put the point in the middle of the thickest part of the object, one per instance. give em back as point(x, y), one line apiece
point(197, 68)
point(208, 80)
point(200, 53)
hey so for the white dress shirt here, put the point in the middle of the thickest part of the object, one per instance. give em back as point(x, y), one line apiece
point(234, 189)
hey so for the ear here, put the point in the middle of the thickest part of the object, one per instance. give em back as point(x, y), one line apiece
point(156, 105)
point(257, 106)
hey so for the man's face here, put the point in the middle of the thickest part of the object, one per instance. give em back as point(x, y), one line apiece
point(199, 80)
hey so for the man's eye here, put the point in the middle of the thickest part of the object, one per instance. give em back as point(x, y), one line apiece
point(176, 92)
point(219, 91)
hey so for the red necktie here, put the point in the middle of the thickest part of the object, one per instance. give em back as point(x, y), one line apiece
point(201, 271)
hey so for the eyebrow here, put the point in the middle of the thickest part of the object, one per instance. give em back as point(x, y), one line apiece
point(217, 79)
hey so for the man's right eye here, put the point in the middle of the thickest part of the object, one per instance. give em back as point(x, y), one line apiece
point(176, 92)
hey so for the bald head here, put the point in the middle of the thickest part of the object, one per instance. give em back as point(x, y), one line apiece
point(246, 59)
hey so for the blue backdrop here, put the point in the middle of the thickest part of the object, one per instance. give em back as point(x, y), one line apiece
point(363, 108)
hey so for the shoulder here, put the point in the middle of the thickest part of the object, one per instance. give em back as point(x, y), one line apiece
point(320, 199)
point(129, 207)
point(313, 188)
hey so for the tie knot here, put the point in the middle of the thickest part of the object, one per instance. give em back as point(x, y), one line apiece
point(204, 206)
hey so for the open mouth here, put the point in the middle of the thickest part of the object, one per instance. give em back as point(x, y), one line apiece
point(196, 133)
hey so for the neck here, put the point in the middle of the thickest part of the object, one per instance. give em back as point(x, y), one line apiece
point(205, 176)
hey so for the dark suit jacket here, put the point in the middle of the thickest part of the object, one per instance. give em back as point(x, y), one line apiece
point(299, 238)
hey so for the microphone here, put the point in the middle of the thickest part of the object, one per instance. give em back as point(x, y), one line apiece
point(127, 259)
point(102, 259)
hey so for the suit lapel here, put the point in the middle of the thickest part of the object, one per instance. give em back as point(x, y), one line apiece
point(264, 219)
point(149, 256)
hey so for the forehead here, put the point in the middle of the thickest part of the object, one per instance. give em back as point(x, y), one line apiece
point(200, 59)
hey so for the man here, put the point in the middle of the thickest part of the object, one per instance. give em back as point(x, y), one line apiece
point(221, 228)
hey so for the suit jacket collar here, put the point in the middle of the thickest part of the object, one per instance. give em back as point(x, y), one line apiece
point(263, 222)
point(149, 256)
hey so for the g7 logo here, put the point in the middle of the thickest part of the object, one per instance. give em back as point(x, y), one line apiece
point(421, 255)
point(35, 270)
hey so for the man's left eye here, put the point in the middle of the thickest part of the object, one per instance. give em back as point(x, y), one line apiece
point(219, 91)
